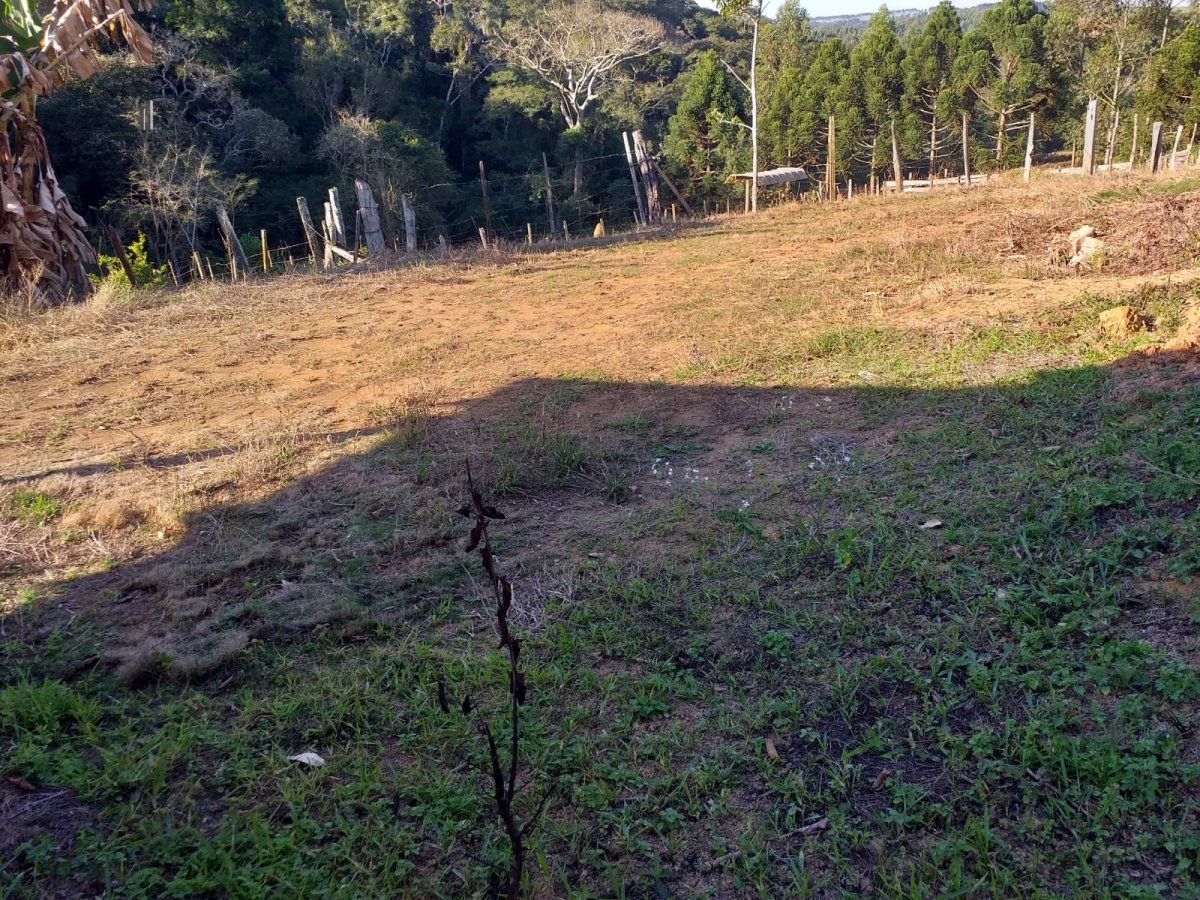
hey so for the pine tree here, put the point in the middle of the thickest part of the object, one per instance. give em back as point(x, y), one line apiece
point(927, 69)
point(787, 123)
point(703, 136)
point(1002, 62)
point(1171, 90)
point(876, 83)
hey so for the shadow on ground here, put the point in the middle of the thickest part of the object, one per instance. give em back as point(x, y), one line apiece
point(881, 580)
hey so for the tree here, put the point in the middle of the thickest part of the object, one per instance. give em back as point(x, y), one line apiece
point(927, 66)
point(787, 122)
point(875, 85)
point(702, 136)
point(1171, 89)
point(178, 187)
point(823, 94)
point(578, 49)
point(1002, 63)
point(1102, 45)
point(42, 238)
point(751, 10)
point(392, 159)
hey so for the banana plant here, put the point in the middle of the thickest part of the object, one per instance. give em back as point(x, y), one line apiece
point(43, 245)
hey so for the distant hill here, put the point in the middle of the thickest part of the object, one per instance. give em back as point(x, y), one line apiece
point(846, 27)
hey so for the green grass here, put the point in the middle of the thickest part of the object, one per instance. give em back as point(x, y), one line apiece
point(1002, 706)
point(36, 508)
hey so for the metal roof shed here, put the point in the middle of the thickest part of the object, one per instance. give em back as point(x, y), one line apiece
point(770, 178)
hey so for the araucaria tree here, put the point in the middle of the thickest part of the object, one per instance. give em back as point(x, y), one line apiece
point(753, 11)
point(42, 241)
point(876, 82)
point(578, 49)
point(703, 135)
point(927, 68)
point(1002, 62)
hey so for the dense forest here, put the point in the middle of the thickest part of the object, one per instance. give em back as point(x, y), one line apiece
point(258, 101)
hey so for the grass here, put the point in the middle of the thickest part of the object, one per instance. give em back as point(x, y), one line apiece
point(752, 671)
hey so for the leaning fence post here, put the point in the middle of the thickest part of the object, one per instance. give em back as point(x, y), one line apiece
point(640, 205)
point(310, 232)
point(1175, 146)
point(266, 253)
point(237, 254)
point(337, 224)
point(649, 179)
point(115, 240)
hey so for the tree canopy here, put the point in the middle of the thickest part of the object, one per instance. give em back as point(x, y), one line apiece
point(258, 101)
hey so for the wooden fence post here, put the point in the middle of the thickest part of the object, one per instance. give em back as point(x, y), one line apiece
point(674, 190)
point(1089, 140)
point(266, 252)
point(549, 195)
point(1155, 146)
point(372, 229)
point(327, 261)
point(122, 257)
point(310, 233)
point(487, 204)
point(649, 179)
point(966, 147)
point(637, 189)
point(1111, 150)
point(1029, 151)
point(896, 160)
point(1175, 147)
point(198, 264)
point(410, 224)
point(337, 229)
point(237, 254)
point(1133, 143)
point(831, 159)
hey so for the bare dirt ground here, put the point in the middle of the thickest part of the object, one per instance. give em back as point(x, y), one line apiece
point(325, 356)
point(745, 457)
point(142, 417)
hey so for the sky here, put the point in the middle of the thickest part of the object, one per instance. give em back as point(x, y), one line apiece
point(849, 7)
